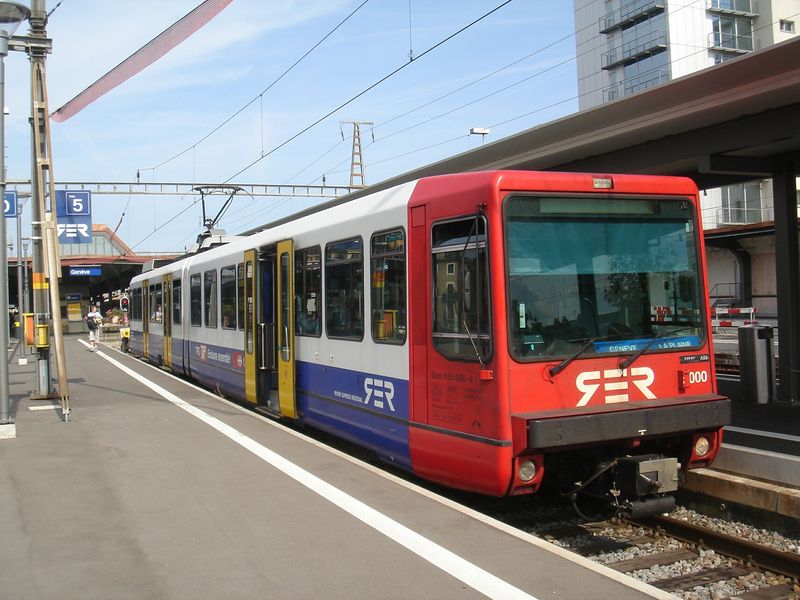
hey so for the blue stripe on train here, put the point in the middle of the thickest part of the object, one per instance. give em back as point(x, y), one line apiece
point(367, 409)
point(217, 367)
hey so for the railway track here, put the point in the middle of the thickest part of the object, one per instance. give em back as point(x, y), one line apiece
point(758, 555)
point(686, 559)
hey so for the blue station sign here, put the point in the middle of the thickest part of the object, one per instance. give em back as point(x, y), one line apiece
point(10, 209)
point(74, 215)
point(85, 271)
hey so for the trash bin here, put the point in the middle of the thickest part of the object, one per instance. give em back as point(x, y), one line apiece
point(756, 363)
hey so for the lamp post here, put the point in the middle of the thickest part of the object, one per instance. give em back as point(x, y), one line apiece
point(12, 14)
point(481, 131)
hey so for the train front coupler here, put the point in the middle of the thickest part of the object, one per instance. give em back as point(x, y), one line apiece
point(631, 486)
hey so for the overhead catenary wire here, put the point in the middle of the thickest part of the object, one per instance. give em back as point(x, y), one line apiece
point(595, 45)
point(367, 89)
point(332, 170)
point(592, 46)
point(261, 94)
point(342, 105)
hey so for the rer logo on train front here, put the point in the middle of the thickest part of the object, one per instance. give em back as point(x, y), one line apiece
point(615, 383)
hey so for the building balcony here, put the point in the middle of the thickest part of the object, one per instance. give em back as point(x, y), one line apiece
point(718, 216)
point(635, 50)
point(745, 8)
point(635, 84)
point(630, 14)
point(730, 42)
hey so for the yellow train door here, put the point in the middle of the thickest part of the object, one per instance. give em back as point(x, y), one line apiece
point(250, 366)
point(286, 370)
point(166, 319)
point(145, 316)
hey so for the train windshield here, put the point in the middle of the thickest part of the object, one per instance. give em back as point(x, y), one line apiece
point(613, 275)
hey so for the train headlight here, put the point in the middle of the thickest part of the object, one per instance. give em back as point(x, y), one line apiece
point(527, 470)
point(701, 446)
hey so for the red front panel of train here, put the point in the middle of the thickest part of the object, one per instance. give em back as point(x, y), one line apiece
point(515, 273)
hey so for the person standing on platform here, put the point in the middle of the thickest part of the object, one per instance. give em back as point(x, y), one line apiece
point(93, 321)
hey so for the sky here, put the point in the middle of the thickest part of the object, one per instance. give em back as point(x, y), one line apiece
point(512, 70)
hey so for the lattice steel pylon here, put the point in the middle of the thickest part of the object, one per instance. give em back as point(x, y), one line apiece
point(357, 159)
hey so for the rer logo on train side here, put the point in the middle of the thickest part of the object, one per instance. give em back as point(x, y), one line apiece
point(615, 384)
point(377, 390)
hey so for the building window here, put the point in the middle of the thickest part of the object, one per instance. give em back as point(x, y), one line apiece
point(210, 298)
point(461, 327)
point(227, 282)
point(308, 291)
point(388, 276)
point(732, 33)
point(745, 6)
point(196, 299)
point(176, 301)
point(741, 204)
point(787, 26)
point(344, 289)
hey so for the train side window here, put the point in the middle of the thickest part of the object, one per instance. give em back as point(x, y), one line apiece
point(344, 289)
point(176, 301)
point(196, 300)
point(156, 315)
point(227, 285)
point(210, 298)
point(388, 277)
point(308, 291)
point(461, 326)
point(136, 304)
point(240, 292)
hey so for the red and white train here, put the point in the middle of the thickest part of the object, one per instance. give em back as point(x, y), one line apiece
point(486, 331)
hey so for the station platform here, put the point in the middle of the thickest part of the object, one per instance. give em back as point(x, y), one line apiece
point(156, 489)
point(758, 465)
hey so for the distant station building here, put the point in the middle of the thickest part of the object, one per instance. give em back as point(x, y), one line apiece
point(97, 272)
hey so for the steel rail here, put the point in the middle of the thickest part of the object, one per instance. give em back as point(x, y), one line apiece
point(763, 557)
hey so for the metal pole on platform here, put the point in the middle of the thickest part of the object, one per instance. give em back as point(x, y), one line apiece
point(40, 295)
point(11, 15)
point(20, 289)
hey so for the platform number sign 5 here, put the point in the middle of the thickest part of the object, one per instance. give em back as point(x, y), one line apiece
point(78, 203)
point(10, 205)
point(74, 214)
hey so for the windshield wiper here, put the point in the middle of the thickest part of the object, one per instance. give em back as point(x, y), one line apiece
point(624, 364)
point(556, 369)
point(472, 341)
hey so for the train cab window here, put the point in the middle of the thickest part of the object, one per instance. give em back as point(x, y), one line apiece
point(344, 289)
point(196, 300)
point(629, 278)
point(227, 284)
point(388, 277)
point(210, 298)
point(176, 301)
point(461, 327)
point(156, 299)
point(308, 291)
point(240, 292)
